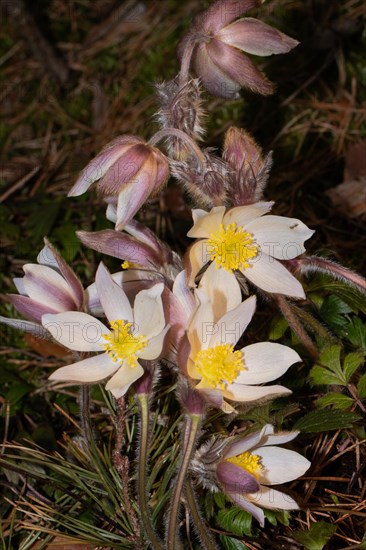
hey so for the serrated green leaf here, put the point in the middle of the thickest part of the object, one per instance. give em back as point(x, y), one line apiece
point(333, 311)
point(331, 357)
point(356, 333)
point(337, 400)
point(236, 521)
point(326, 420)
point(228, 543)
point(317, 536)
point(361, 387)
point(321, 376)
point(352, 297)
point(351, 363)
point(278, 328)
point(220, 500)
point(333, 373)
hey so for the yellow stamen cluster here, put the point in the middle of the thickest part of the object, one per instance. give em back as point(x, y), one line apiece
point(232, 247)
point(123, 345)
point(247, 461)
point(126, 264)
point(220, 365)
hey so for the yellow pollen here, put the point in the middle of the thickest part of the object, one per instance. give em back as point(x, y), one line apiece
point(122, 344)
point(220, 365)
point(126, 264)
point(247, 461)
point(232, 247)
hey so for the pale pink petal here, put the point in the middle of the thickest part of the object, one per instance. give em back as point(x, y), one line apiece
point(280, 465)
point(270, 275)
point(122, 380)
point(232, 325)
point(279, 438)
point(133, 196)
point(76, 330)
point(222, 288)
point(241, 215)
point(19, 284)
point(202, 325)
point(266, 361)
point(26, 326)
point(213, 78)
point(255, 37)
point(198, 257)
point(238, 68)
point(144, 235)
point(29, 308)
point(114, 301)
point(43, 284)
point(242, 502)
point(92, 369)
point(280, 237)
point(272, 499)
point(111, 212)
point(184, 294)
point(235, 479)
point(241, 393)
point(222, 12)
point(205, 223)
point(154, 346)
point(243, 444)
point(148, 311)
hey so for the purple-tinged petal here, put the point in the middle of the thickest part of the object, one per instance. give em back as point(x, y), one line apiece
point(144, 235)
point(26, 326)
point(222, 13)
point(213, 78)
point(122, 246)
point(76, 330)
point(184, 294)
point(242, 502)
point(235, 479)
point(124, 377)
point(92, 369)
point(30, 308)
point(243, 444)
point(239, 68)
point(255, 37)
point(19, 284)
point(114, 301)
point(43, 284)
point(163, 171)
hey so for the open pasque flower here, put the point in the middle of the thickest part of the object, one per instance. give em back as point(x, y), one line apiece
point(225, 373)
point(243, 239)
point(129, 171)
point(134, 334)
point(218, 41)
point(251, 465)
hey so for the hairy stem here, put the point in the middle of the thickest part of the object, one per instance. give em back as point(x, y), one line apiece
point(206, 539)
point(143, 400)
point(189, 442)
point(167, 132)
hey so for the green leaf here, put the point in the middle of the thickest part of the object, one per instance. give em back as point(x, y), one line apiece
point(278, 328)
point(333, 311)
point(333, 373)
point(361, 387)
point(347, 294)
point(351, 363)
point(356, 333)
point(235, 521)
point(228, 543)
point(337, 400)
point(326, 420)
point(321, 376)
point(317, 536)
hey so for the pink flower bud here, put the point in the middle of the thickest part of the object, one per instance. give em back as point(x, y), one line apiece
point(218, 41)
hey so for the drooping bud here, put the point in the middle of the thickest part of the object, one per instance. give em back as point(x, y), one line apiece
point(250, 168)
point(218, 41)
point(191, 400)
point(128, 170)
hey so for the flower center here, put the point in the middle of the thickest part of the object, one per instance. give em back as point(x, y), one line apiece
point(220, 365)
point(247, 461)
point(232, 248)
point(122, 344)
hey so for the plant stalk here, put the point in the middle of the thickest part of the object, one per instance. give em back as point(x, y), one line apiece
point(207, 541)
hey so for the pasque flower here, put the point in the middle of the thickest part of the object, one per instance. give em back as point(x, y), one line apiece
point(221, 371)
point(50, 286)
point(244, 239)
point(218, 41)
point(127, 170)
point(251, 465)
point(135, 333)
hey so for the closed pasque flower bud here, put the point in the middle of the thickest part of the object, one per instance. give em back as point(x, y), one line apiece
point(128, 169)
point(218, 41)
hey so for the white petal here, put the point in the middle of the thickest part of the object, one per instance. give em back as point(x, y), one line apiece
point(43, 284)
point(148, 311)
point(75, 330)
point(281, 465)
point(270, 275)
point(222, 288)
point(241, 393)
point(272, 499)
point(280, 237)
point(198, 257)
point(205, 223)
point(154, 347)
point(202, 325)
point(279, 438)
point(122, 380)
point(232, 325)
point(19, 283)
point(241, 215)
point(92, 369)
point(266, 361)
point(184, 294)
point(114, 301)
